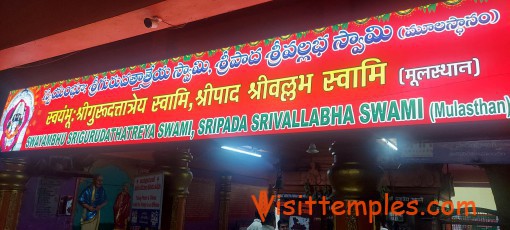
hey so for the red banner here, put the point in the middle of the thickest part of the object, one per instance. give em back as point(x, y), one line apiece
point(439, 63)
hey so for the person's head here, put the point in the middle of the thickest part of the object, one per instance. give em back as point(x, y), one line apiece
point(97, 181)
point(283, 224)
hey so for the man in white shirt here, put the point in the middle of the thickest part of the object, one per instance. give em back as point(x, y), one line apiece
point(257, 223)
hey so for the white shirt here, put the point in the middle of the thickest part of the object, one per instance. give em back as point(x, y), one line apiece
point(256, 225)
point(267, 227)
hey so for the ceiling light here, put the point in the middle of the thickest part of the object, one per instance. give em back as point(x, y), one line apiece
point(389, 143)
point(241, 151)
point(312, 149)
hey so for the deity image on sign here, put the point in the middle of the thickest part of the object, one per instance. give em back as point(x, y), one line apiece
point(15, 120)
point(93, 198)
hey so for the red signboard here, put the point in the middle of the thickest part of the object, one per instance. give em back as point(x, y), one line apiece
point(440, 63)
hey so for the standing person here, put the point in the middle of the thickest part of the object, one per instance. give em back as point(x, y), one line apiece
point(92, 199)
point(121, 208)
point(257, 223)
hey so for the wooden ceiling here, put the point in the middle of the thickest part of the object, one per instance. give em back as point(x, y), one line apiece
point(36, 30)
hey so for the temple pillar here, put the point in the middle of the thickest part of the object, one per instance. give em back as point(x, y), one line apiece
point(500, 185)
point(12, 185)
point(225, 189)
point(353, 176)
point(178, 176)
